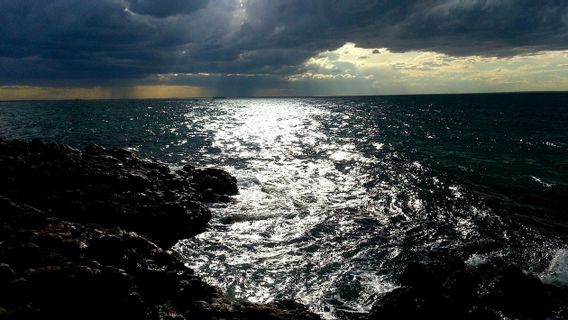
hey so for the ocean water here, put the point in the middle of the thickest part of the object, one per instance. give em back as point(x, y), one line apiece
point(338, 194)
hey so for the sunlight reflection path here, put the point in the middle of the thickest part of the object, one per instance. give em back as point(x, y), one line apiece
point(326, 211)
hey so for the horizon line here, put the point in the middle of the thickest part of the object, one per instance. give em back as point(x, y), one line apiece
point(295, 96)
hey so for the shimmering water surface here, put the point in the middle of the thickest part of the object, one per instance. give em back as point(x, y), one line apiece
point(338, 194)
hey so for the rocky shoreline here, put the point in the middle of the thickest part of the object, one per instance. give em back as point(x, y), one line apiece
point(445, 287)
point(86, 235)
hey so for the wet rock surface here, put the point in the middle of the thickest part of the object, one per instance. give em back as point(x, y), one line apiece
point(449, 289)
point(112, 188)
point(83, 235)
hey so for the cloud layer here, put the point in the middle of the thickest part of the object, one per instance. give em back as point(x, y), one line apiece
point(113, 42)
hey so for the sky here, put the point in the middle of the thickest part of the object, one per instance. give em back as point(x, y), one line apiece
point(103, 49)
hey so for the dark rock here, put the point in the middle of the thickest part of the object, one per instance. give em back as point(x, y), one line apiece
point(90, 150)
point(157, 285)
point(191, 289)
point(166, 258)
point(25, 255)
point(118, 280)
point(189, 168)
point(123, 155)
point(217, 180)
point(139, 181)
point(14, 292)
point(208, 195)
point(7, 274)
point(24, 312)
point(107, 249)
point(450, 290)
point(483, 313)
point(431, 275)
point(110, 187)
point(563, 313)
point(164, 312)
point(460, 289)
point(521, 293)
point(283, 310)
point(407, 303)
point(224, 199)
point(71, 248)
point(5, 230)
point(417, 275)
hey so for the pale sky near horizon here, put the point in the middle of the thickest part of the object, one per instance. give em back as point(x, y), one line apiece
point(102, 49)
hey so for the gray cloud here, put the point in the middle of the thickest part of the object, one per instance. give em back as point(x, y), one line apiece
point(112, 41)
point(164, 8)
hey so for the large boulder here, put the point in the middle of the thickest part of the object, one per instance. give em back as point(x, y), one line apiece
point(216, 180)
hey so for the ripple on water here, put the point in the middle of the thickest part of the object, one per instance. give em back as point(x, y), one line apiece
point(327, 214)
point(338, 194)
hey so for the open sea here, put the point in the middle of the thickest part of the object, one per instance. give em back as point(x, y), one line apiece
point(338, 194)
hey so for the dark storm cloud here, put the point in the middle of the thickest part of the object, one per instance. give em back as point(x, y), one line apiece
point(164, 8)
point(455, 27)
point(106, 41)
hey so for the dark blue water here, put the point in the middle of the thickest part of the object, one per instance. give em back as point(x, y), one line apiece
point(337, 194)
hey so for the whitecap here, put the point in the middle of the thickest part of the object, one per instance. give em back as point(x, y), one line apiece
point(557, 272)
point(476, 260)
point(545, 184)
